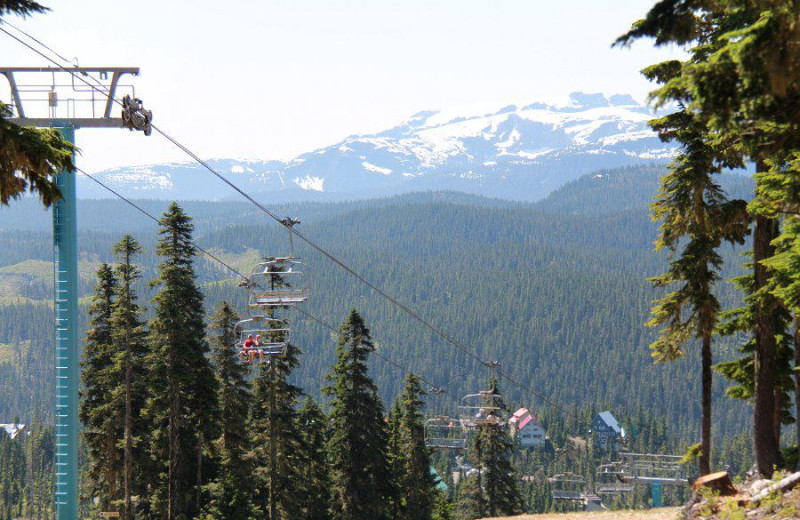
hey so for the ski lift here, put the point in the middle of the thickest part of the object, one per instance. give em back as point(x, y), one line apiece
point(277, 281)
point(445, 433)
point(567, 486)
point(610, 480)
point(484, 408)
point(652, 467)
point(135, 117)
point(260, 337)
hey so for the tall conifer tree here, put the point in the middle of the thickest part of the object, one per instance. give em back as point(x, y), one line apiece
point(695, 219)
point(493, 448)
point(277, 440)
point(183, 403)
point(231, 495)
point(98, 414)
point(397, 465)
point(358, 442)
point(416, 483)
point(314, 477)
point(130, 347)
point(744, 81)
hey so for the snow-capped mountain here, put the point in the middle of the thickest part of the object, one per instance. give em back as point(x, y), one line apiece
point(517, 152)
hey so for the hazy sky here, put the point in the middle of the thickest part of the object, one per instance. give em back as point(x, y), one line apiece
point(273, 79)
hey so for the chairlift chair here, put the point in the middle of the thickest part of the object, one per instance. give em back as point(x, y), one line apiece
point(567, 486)
point(273, 333)
point(610, 480)
point(445, 433)
point(651, 467)
point(278, 281)
point(483, 408)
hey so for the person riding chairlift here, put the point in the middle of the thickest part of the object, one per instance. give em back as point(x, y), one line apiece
point(260, 351)
point(249, 349)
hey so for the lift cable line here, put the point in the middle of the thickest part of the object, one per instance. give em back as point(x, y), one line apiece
point(39, 42)
point(442, 334)
point(247, 279)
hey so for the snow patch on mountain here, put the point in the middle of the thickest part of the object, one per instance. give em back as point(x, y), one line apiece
point(140, 178)
point(309, 182)
point(377, 169)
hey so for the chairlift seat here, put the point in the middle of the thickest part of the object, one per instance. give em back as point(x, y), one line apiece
point(278, 281)
point(445, 433)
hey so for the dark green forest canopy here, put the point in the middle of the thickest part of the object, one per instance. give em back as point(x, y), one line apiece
point(555, 290)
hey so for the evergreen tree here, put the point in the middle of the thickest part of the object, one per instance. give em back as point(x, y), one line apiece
point(745, 87)
point(415, 482)
point(472, 502)
point(442, 507)
point(30, 157)
point(98, 413)
point(277, 440)
point(314, 481)
point(397, 460)
point(493, 448)
point(231, 494)
point(358, 442)
point(182, 406)
point(129, 342)
point(695, 218)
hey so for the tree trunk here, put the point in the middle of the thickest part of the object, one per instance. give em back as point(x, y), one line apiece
point(174, 452)
point(111, 470)
point(199, 488)
point(127, 513)
point(273, 449)
point(797, 384)
point(765, 440)
point(705, 427)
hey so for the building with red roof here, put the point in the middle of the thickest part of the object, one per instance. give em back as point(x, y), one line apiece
point(526, 429)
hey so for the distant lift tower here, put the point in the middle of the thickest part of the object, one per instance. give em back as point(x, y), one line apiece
point(68, 99)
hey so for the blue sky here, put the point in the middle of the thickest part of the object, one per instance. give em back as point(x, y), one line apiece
point(273, 79)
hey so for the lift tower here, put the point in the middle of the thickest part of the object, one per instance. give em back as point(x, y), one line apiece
point(68, 99)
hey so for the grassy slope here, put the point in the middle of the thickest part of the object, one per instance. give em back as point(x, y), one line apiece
point(666, 513)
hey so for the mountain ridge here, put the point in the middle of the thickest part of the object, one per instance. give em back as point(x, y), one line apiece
point(519, 153)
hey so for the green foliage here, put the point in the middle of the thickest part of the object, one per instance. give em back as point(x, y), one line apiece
point(20, 7)
point(358, 442)
point(29, 157)
point(741, 84)
point(182, 408)
point(98, 411)
point(26, 469)
point(540, 338)
point(472, 503)
point(232, 491)
point(129, 348)
point(416, 485)
point(278, 446)
point(493, 449)
point(314, 484)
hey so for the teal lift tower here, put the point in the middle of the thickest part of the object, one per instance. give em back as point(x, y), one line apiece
point(67, 99)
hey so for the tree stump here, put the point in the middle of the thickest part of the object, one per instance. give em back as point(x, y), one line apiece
point(719, 482)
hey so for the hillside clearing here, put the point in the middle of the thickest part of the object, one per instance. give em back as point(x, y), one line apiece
point(664, 513)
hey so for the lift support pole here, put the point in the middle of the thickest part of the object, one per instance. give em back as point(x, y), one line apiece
point(65, 244)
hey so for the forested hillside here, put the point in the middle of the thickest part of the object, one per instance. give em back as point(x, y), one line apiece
point(555, 291)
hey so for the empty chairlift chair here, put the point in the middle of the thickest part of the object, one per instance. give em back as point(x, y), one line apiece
point(260, 337)
point(567, 486)
point(610, 480)
point(276, 282)
point(445, 433)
